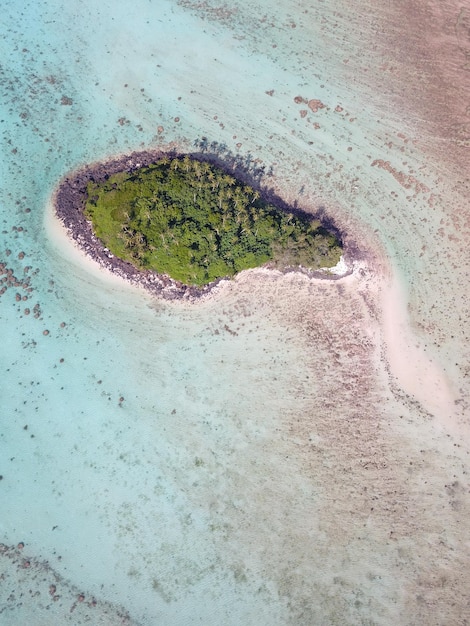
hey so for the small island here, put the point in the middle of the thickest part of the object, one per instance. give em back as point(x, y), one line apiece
point(179, 223)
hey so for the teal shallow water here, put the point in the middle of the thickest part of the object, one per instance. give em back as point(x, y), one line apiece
point(260, 468)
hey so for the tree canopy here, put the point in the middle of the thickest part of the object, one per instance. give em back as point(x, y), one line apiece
point(194, 222)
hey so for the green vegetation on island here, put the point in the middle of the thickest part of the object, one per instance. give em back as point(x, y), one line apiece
point(194, 222)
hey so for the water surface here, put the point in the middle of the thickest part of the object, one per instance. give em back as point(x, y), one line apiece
point(260, 457)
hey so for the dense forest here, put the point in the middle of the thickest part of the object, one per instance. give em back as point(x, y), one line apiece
point(193, 221)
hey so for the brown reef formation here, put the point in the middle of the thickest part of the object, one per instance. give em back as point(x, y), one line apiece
point(430, 46)
point(48, 592)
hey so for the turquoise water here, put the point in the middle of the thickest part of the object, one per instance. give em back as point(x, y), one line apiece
point(245, 460)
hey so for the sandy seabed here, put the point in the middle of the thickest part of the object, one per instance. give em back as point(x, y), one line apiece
point(286, 450)
point(378, 412)
point(415, 372)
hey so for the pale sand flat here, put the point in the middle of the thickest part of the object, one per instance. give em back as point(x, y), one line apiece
point(411, 368)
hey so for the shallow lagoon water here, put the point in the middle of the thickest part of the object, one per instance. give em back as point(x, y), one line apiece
point(268, 462)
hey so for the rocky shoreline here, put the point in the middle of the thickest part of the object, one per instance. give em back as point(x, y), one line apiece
point(69, 202)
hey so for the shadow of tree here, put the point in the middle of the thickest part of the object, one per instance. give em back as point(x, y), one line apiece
point(248, 169)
